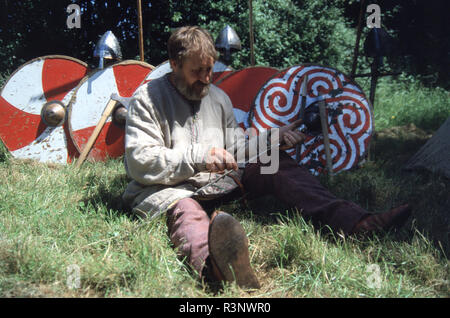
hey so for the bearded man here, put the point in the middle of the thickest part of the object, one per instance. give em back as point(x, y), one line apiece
point(171, 153)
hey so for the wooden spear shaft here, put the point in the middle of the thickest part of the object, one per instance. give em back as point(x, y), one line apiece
point(141, 32)
point(301, 113)
point(250, 18)
point(93, 138)
point(326, 138)
point(358, 37)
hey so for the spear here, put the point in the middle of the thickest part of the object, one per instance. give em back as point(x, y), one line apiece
point(301, 113)
point(250, 18)
point(141, 33)
point(326, 139)
point(358, 37)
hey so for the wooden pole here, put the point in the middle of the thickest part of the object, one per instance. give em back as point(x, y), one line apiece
point(373, 82)
point(301, 113)
point(358, 38)
point(379, 74)
point(250, 13)
point(326, 138)
point(373, 87)
point(87, 148)
point(141, 32)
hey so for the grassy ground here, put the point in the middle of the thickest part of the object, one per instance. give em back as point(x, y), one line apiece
point(56, 222)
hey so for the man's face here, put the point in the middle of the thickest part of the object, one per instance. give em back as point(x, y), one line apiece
point(193, 77)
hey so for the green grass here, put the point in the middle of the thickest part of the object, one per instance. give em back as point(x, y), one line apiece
point(54, 217)
point(406, 101)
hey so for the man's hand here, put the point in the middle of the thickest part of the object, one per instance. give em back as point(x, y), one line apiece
point(290, 136)
point(218, 159)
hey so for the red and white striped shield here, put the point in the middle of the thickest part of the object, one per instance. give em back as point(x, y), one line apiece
point(41, 80)
point(91, 97)
point(350, 120)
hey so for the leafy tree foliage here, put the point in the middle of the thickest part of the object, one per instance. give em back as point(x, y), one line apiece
point(286, 32)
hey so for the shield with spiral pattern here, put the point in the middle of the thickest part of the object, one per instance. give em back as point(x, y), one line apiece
point(349, 115)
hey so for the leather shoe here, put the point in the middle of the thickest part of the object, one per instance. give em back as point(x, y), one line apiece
point(392, 219)
point(228, 250)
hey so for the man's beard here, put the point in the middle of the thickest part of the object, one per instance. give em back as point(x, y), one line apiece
point(194, 92)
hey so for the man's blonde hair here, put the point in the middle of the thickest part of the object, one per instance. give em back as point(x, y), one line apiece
point(188, 40)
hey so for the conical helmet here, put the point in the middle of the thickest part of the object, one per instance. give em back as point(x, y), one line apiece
point(108, 47)
point(228, 39)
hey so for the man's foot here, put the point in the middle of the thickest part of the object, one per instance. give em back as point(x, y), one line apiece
point(394, 218)
point(228, 249)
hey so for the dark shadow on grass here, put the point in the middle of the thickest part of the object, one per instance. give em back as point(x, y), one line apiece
point(109, 195)
point(4, 154)
point(427, 192)
point(267, 210)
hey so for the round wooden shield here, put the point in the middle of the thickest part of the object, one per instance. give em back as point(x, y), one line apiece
point(242, 86)
point(91, 97)
point(349, 115)
point(219, 71)
point(30, 87)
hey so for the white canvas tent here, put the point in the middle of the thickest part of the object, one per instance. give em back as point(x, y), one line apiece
point(435, 154)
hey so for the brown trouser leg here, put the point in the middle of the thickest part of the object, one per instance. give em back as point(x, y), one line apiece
point(295, 186)
point(188, 227)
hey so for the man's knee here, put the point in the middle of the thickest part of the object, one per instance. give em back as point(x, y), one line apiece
point(185, 208)
point(187, 214)
point(186, 204)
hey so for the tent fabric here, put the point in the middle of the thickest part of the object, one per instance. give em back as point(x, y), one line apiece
point(435, 154)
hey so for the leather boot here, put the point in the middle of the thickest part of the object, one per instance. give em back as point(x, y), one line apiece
point(228, 251)
point(392, 219)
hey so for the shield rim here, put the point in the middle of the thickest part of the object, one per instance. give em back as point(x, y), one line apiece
point(45, 57)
